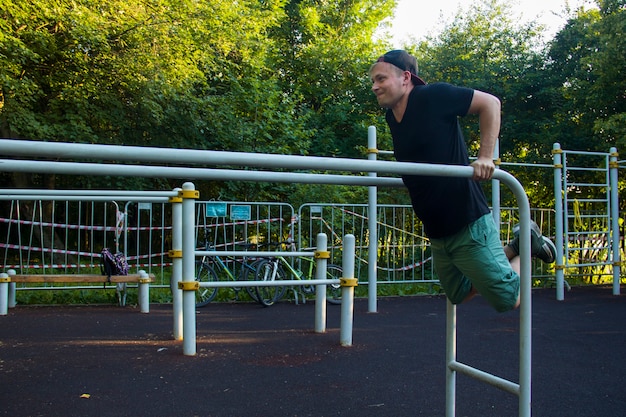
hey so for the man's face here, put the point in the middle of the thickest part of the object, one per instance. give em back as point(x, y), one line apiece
point(388, 83)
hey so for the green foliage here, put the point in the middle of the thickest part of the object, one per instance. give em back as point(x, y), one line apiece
point(291, 77)
point(589, 56)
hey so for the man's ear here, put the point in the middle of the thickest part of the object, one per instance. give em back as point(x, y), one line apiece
point(407, 78)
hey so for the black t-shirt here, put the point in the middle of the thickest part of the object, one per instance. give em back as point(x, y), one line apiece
point(430, 133)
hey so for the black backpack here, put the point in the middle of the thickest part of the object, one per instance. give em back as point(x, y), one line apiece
point(113, 264)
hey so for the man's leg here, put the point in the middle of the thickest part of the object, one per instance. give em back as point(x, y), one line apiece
point(474, 261)
point(514, 260)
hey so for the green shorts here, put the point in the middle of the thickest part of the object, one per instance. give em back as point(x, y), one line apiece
point(475, 257)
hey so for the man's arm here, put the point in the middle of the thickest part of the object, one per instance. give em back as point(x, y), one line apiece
point(487, 107)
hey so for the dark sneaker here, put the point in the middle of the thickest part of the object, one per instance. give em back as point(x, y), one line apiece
point(540, 246)
point(547, 252)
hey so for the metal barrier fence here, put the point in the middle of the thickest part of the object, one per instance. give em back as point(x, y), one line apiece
point(66, 234)
point(65, 230)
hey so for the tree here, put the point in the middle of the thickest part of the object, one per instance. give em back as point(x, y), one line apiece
point(587, 58)
point(326, 50)
point(485, 49)
point(133, 72)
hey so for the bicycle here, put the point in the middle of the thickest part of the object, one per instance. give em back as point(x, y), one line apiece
point(215, 268)
point(279, 268)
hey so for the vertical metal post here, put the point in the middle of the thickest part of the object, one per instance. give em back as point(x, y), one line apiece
point(613, 176)
point(176, 254)
point(523, 389)
point(495, 188)
point(189, 285)
point(320, 290)
point(372, 193)
point(144, 291)
point(4, 293)
point(347, 290)
point(525, 343)
point(12, 289)
point(558, 208)
point(450, 358)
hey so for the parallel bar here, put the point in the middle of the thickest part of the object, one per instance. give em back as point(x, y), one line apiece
point(490, 379)
point(22, 197)
point(209, 158)
point(253, 254)
point(275, 283)
point(89, 193)
point(78, 168)
point(282, 162)
point(54, 278)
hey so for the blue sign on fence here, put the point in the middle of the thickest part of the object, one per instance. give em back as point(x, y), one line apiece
point(240, 213)
point(215, 209)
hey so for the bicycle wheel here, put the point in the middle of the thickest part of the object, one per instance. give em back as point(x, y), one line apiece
point(248, 273)
point(204, 273)
point(333, 291)
point(269, 270)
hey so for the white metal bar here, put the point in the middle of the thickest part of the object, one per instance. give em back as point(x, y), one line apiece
point(320, 290)
point(90, 193)
point(144, 292)
point(4, 294)
point(596, 153)
point(78, 198)
point(559, 232)
point(490, 379)
point(189, 297)
point(587, 169)
point(177, 269)
point(372, 224)
point(450, 357)
point(273, 283)
point(84, 168)
point(252, 254)
point(210, 158)
point(614, 205)
point(495, 190)
point(347, 292)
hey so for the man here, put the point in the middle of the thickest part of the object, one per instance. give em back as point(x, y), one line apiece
point(423, 119)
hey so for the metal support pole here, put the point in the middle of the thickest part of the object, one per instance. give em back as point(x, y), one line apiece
point(348, 282)
point(523, 388)
point(4, 293)
point(450, 358)
point(558, 208)
point(176, 254)
point(144, 291)
point(372, 256)
point(12, 289)
point(189, 285)
point(613, 176)
point(320, 290)
point(495, 188)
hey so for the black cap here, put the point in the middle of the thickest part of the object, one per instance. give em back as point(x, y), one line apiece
point(405, 62)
